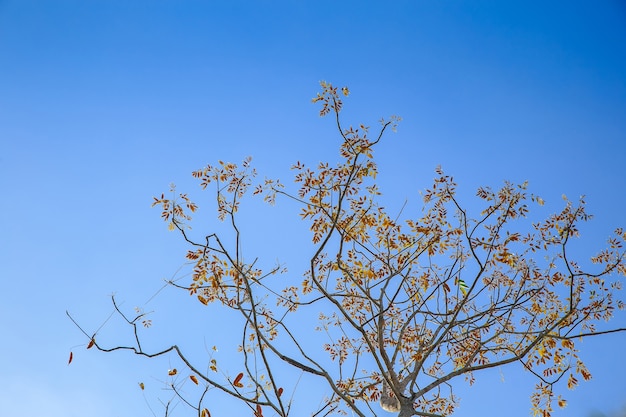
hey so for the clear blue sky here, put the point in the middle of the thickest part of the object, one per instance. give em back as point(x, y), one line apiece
point(104, 103)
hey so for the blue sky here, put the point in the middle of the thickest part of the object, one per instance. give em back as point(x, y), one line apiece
point(104, 103)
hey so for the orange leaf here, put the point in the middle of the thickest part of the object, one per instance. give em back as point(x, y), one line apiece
point(142, 386)
point(237, 380)
point(71, 357)
point(91, 343)
point(205, 413)
point(172, 372)
point(194, 379)
point(280, 392)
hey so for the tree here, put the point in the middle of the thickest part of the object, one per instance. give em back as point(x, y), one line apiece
point(405, 306)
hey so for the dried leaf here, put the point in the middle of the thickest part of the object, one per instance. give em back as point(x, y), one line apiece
point(205, 413)
point(172, 372)
point(237, 381)
point(71, 357)
point(194, 379)
point(91, 343)
point(280, 392)
point(571, 382)
point(142, 386)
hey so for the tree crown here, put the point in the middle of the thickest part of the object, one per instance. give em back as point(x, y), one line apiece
point(404, 306)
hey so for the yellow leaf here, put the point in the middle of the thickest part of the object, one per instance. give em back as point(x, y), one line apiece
point(205, 413)
point(542, 351)
point(142, 386)
point(462, 286)
point(170, 226)
point(345, 91)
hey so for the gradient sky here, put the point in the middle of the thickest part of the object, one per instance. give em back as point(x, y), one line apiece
point(104, 103)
